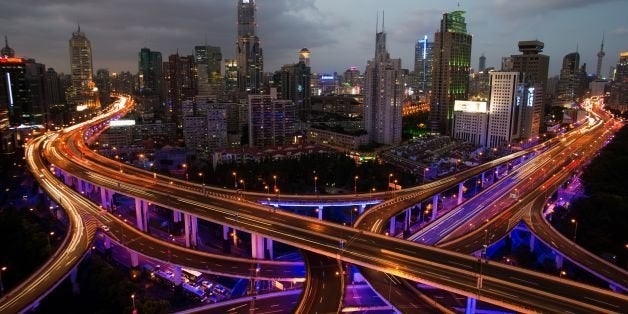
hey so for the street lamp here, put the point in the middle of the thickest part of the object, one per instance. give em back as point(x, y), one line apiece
point(315, 179)
point(355, 185)
point(424, 171)
point(185, 167)
point(275, 178)
point(52, 233)
point(243, 184)
point(200, 174)
point(266, 188)
point(1, 283)
point(575, 229)
point(389, 179)
point(235, 180)
point(354, 210)
point(133, 299)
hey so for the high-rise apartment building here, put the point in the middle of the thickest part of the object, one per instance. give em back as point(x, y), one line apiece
point(619, 87)
point(295, 86)
point(568, 84)
point(208, 63)
point(271, 121)
point(149, 72)
point(103, 83)
point(423, 58)
point(450, 70)
point(248, 51)
point(470, 121)
point(503, 118)
point(531, 64)
point(82, 94)
point(383, 95)
point(482, 63)
point(181, 83)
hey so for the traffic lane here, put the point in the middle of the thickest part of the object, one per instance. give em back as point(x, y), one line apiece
point(261, 305)
point(324, 287)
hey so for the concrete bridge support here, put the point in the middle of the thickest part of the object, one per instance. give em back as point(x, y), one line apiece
point(320, 212)
point(141, 214)
point(435, 206)
point(471, 306)
point(460, 191)
point(191, 230)
point(257, 246)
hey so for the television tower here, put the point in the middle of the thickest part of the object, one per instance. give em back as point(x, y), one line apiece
point(600, 56)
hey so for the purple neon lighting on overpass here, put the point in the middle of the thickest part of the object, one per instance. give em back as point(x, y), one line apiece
point(317, 204)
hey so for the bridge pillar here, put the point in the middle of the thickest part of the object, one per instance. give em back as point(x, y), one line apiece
point(225, 233)
point(257, 246)
point(177, 275)
point(460, 191)
point(103, 198)
point(320, 212)
point(558, 259)
point(482, 180)
point(406, 220)
point(393, 226)
point(191, 230)
point(435, 206)
point(79, 186)
point(269, 248)
point(141, 214)
point(67, 179)
point(176, 216)
point(532, 241)
point(471, 303)
point(362, 207)
point(76, 289)
point(135, 259)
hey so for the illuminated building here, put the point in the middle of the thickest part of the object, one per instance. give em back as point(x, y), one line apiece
point(423, 58)
point(619, 87)
point(149, 72)
point(271, 121)
point(450, 70)
point(531, 64)
point(181, 82)
point(82, 95)
point(503, 113)
point(22, 91)
point(231, 75)
point(568, 83)
point(248, 51)
point(383, 95)
point(208, 59)
point(295, 85)
point(470, 121)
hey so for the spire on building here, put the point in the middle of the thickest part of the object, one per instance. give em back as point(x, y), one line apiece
point(600, 56)
point(7, 51)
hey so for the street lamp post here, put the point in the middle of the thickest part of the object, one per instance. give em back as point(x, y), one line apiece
point(235, 180)
point(575, 229)
point(185, 167)
point(389, 180)
point(424, 174)
point(315, 188)
point(275, 178)
point(243, 184)
point(1, 283)
point(355, 185)
point(133, 299)
point(200, 174)
point(52, 233)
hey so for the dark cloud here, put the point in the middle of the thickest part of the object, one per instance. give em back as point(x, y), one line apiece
point(119, 28)
point(523, 9)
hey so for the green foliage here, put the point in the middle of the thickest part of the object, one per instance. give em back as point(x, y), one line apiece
point(603, 215)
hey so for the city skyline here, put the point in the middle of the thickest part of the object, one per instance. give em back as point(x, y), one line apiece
point(338, 34)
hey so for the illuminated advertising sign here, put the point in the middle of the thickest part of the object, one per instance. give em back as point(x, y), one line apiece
point(530, 102)
point(470, 106)
point(327, 77)
point(121, 123)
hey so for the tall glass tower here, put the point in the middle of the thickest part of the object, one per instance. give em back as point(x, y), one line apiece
point(450, 71)
point(249, 54)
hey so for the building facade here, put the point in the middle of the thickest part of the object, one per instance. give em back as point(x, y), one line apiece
point(470, 122)
point(249, 55)
point(383, 95)
point(82, 94)
point(503, 118)
point(450, 70)
point(423, 58)
point(149, 72)
point(271, 121)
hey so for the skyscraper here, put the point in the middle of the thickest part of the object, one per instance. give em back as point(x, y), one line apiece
point(248, 51)
point(619, 87)
point(182, 83)
point(600, 56)
point(208, 59)
point(81, 94)
point(503, 119)
point(482, 65)
point(7, 51)
point(568, 83)
point(383, 95)
point(531, 64)
point(450, 71)
point(271, 121)
point(149, 72)
point(295, 85)
point(423, 58)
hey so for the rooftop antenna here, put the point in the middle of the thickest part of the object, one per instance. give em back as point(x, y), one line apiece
point(383, 19)
point(377, 23)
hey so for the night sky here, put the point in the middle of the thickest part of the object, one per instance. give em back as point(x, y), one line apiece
point(339, 33)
